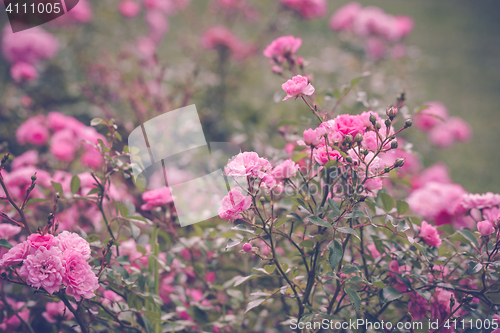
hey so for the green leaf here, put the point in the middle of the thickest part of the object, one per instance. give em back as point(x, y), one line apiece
point(5, 244)
point(57, 187)
point(198, 314)
point(96, 121)
point(474, 268)
point(336, 253)
point(389, 294)
point(75, 184)
point(403, 226)
point(316, 220)
point(240, 279)
point(387, 201)
point(232, 242)
point(402, 207)
point(36, 200)
point(254, 304)
point(299, 156)
point(347, 230)
point(354, 298)
point(307, 243)
point(469, 235)
point(92, 238)
point(242, 227)
point(348, 269)
point(147, 324)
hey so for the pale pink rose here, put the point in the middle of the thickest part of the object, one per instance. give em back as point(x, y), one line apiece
point(246, 164)
point(30, 46)
point(29, 158)
point(417, 306)
point(375, 48)
point(485, 228)
point(217, 36)
point(398, 51)
point(404, 25)
point(58, 121)
point(78, 277)
point(308, 9)
point(33, 131)
point(365, 118)
point(156, 198)
point(233, 204)
point(36, 241)
point(349, 124)
point(129, 8)
point(93, 158)
point(287, 169)
point(282, 48)
point(373, 250)
point(460, 129)
point(429, 234)
point(56, 312)
point(15, 255)
point(297, 87)
point(394, 266)
point(23, 71)
point(435, 114)
point(8, 230)
point(313, 137)
point(43, 269)
point(344, 17)
point(247, 247)
point(436, 173)
point(374, 184)
point(325, 154)
point(269, 181)
point(63, 145)
point(289, 147)
point(369, 21)
point(71, 241)
point(479, 201)
point(370, 141)
point(158, 25)
point(492, 214)
point(442, 135)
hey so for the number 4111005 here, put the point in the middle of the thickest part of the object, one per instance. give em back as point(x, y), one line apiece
point(471, 323)
point(41, 8)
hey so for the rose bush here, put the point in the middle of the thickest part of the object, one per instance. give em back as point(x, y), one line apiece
point(333, 218)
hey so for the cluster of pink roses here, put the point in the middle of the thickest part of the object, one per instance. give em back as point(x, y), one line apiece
point(443, 131)
point(376, 26)
point(68, 136)
point(50, 263)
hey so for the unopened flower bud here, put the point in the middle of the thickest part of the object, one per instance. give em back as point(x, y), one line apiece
point(247, 247)
point(51, 216)
point(358, 138)
point(452, 302)
point(348, 138)
point(33, 178)
point(387, 123)
point(467, 299)
point(262, 199)
point(387, 169)
point(348, 159)
point(276, 69)
point(378, 126)
point(392, 112)
point(365, 152)
point(408, 123)
point(394, 144)
point(373, 119)
point(399, 162)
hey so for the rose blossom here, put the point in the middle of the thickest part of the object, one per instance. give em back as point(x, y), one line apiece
point(247, 247)
point(349, 124)
point(245, 164)
point(233, 204)
point(129, 8)
point(479, 201)
point(324, 154)
point(308, 9)
point(485, 228)
point(157, 197)
point(56, 311)
point(43, 269)
point(313, 137)
point(417, 306)
point(8, 230)
point(343, 18)
point(282, 48)
point(429, 234)
point(297, 87)
point(71, 241)
point(373, 250)
point(28, 158)
point(15, 255)
point(435, 114)
point(287, 169)
point(78, 277)
point(36, 240)
point(210, 277)
point(23, 71)
point(33, 131)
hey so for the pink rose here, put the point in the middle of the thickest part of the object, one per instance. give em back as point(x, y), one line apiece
point(325, 154)
point(23, 71)
point(56, 312)
point(15, 255)
point(247, 247)
point(36, 240)
point(349, 124)
point(435, 114)
point(158, 25)
point(92, 157)
point(210, 277)
point(33, 131)
point(394, 266)
point(218, 35)
point(297, 87)
point(233, 204)
point(29, 46)
point(375, 48)
point(282, 48)
point(460, 129)
point(404, 25)
point(8, 230)
point(245, 164)
point(437, 173)
point(156, 198)
point(287, 169)
point(373, 250)
point(71, 241)
point(314, 137)
point(129, 8)
point(43, 269)
point(29, 158)
point(485, 228)
point(429, 234)
point(78, 277)
point(417, 306)
point(343, 18)
point(308, 9)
